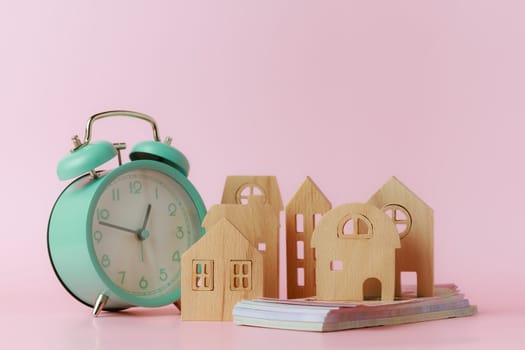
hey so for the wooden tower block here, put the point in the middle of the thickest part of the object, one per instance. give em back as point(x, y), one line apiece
point(219, 270)
point(304, 210)
point(238, 189)
point(415, 223)
point(259, 224)
point(355, 247)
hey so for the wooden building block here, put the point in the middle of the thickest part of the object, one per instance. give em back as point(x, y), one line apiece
point(259, 224)
point(355, 247)
point(219, 270)
point(303, 212)
point(414, 221)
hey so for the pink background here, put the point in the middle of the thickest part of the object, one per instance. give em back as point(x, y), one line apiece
point(347, 92)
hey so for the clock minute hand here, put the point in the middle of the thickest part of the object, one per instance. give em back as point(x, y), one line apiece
point(135, 232)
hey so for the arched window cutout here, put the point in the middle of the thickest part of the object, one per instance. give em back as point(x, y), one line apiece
point(355, 226)
point(401, 218)
point(248, 190)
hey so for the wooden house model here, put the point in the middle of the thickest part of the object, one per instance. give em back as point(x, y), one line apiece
point(355, 251)
point(257, 221)
point(355, 247)
point(219, 270)
point(303, 212)
point(414, 221)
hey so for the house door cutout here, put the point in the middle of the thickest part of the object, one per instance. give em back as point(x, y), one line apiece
point(372, 289)
point(408, 282)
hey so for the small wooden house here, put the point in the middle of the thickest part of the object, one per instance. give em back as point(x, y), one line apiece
point(414, 220)
point(259, 224)
point(303, 212)
point(355, 247)
point(219, 270)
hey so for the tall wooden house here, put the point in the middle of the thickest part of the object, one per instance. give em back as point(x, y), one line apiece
point(303, 212)
point(414, 221)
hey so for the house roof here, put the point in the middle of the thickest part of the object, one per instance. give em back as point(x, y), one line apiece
point(255, 220)
point(267, 183)
point(393, 185)
point(326, 233)
point(309, 194)
point(220, 238)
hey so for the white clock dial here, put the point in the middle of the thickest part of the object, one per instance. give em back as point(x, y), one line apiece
point(142, 223)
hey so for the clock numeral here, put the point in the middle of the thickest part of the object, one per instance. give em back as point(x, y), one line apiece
point(122, 276)
point(97, 236)
point(105, 261)
point(172, 209)
point(163, 275)
point(102, 214)
point(179, 233)
point(156, 193)
point(176, 256)
point(115, 193)
point(143, 283)
point(135, 187)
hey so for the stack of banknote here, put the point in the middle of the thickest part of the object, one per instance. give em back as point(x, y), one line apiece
point(326, 316)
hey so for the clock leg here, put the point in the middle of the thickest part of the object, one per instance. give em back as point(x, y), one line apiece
point(100, 303)
point(178, 305)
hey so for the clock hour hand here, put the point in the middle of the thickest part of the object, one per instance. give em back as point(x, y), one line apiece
point(143, 233)
point(148, 211)
point(122, 228)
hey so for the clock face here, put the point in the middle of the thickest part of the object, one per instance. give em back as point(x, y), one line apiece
point(142, 222)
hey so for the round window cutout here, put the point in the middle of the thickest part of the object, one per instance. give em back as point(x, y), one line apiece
point(249, 190)
point(355, 226)
point(400, 217)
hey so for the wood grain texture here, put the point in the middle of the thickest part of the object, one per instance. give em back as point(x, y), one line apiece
point(259, 223)
point(345, 262)
point(307, 202)
point(221, 244)
point(417, 245)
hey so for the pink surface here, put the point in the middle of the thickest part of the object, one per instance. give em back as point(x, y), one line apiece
point(347, 92)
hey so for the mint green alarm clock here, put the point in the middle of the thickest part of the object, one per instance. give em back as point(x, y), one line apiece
point(115, 238)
